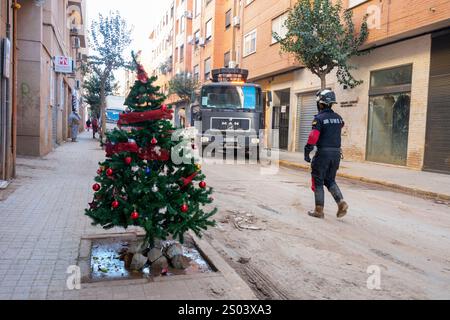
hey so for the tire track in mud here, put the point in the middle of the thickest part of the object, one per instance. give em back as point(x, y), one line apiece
point(262, 285)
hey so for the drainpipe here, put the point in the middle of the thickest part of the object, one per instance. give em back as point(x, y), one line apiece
point(4, 114)
point(16, 7)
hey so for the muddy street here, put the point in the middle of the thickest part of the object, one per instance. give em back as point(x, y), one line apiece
point(266, 236)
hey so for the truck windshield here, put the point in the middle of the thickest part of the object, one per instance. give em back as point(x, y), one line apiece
point(113, 115)
point(231, 97)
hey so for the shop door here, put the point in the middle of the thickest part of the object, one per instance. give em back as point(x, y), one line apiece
point(307, 109)
point(281, 123)
point(437, 147)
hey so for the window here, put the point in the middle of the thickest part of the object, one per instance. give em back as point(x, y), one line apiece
point(182, 53)
point(278, 26)
point(250, 43)
point(389, 115)
point(208, 34)
point(228, 19)
point(196, 73)
point(207, 68)
point(398, 76)
point(226, 59)
point(197, 36)
point(354, 3)
point(182, 25)
point(197, 7)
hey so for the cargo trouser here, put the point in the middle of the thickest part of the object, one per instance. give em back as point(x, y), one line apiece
point(324, 169)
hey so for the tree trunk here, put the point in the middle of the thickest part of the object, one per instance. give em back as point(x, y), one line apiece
point(103, 108)
point(323, 81)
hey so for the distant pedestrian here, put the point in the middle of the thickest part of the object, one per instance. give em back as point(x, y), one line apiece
point(74, 123)
point(326, 135)
point(94, 127)
point(88, 124)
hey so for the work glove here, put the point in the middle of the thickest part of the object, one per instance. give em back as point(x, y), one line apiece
point(308, 149)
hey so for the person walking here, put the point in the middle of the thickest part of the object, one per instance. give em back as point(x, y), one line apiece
point(326, 135)
point(74, 123)
point(88, 124)
point(94, 127)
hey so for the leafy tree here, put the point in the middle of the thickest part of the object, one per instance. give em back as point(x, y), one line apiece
point(91, 91)
point(109, 37)
point(322, 36)
point(184, 86)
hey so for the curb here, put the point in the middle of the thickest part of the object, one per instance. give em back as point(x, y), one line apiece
point(397, 187)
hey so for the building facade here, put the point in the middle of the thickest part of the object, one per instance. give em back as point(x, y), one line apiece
point(51, 44)
point(396, 117)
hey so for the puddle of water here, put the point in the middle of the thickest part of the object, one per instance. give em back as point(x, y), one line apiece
point(108, 261)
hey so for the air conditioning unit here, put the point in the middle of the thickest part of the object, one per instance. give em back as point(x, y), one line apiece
point(232, 64)
point(236, 22)
point(76, 43)
point(190, 39)
point(188, 14)
point(201, 42)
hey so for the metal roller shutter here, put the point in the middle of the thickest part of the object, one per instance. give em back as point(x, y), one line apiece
point(437, 148)
point(307, 108)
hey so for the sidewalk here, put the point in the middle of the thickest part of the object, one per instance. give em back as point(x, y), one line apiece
point(42, 222)
point(421, 183)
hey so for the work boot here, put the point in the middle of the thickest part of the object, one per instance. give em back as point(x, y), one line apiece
point(343, 208)
point(317, 213)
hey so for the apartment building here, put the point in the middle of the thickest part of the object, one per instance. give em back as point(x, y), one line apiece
point(397, 115)
point(195, 36)
point(51, 44)
point(162, 49)
point(216, 38)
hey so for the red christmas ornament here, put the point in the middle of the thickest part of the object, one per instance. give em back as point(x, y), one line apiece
point(109, 172)
point(164, 108)
point(154, 141)
point(99, 171)
point(93, 205)
point(128, 160)
point(184, 208)
point(96, 187)
point(115, 204)
point(202, 184)
point(135, 215)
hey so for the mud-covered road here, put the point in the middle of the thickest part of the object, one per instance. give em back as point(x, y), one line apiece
point(265, 234)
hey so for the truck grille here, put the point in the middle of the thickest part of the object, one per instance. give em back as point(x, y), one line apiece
point(230, 124)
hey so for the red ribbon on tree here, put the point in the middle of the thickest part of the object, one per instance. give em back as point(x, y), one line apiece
point(187, 181)
point(154, 153)
point(112, 149)
point(137, 117)
point(149, 153)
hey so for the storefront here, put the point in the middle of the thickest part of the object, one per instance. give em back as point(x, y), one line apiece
point(389, 113)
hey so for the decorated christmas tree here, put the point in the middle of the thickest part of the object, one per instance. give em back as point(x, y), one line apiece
point(149, 178)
